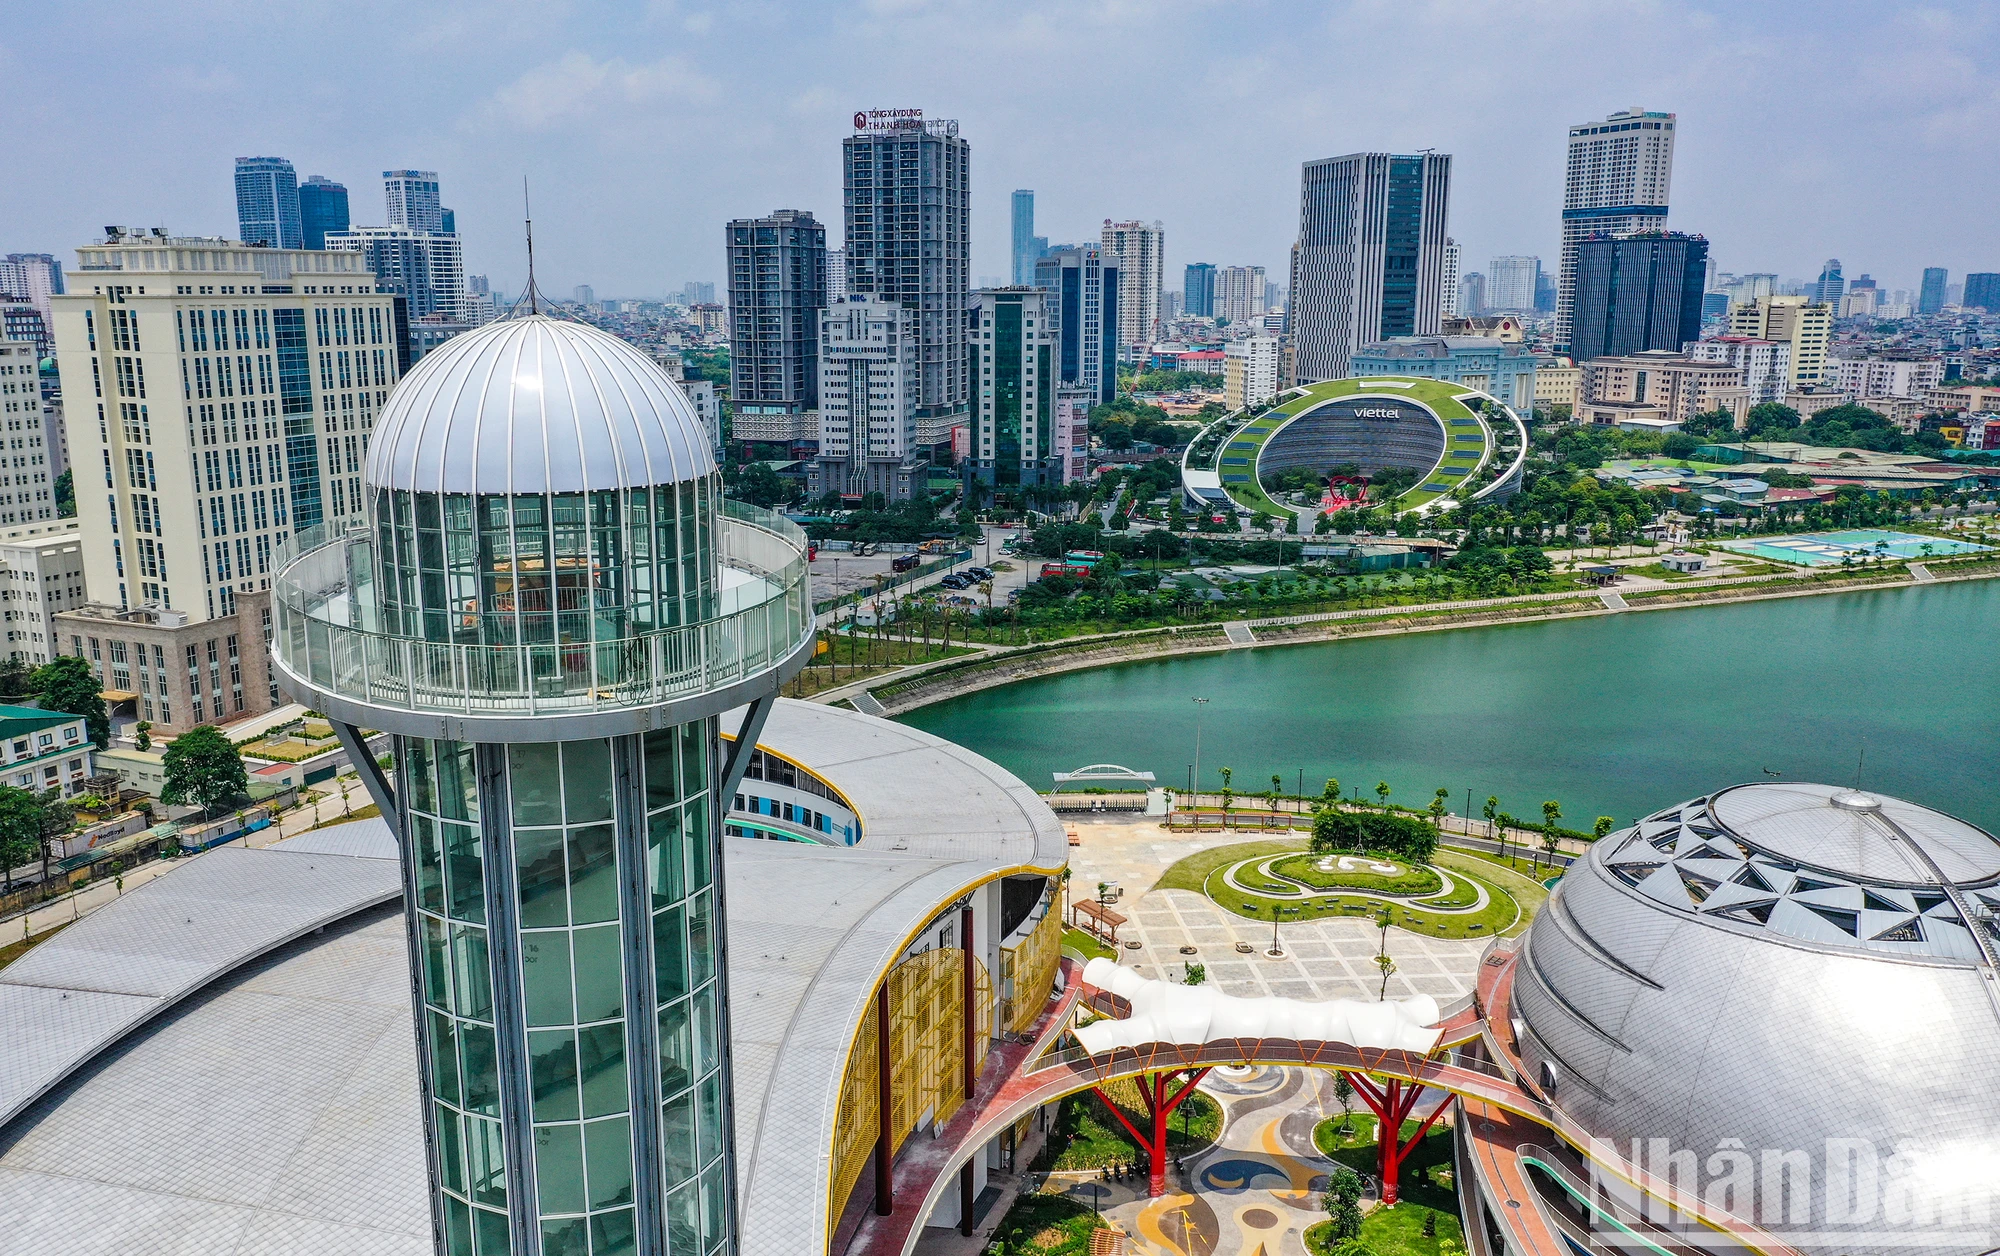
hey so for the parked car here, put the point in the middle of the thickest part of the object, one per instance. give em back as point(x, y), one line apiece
point(979, 574)
point(906, 562)
point(956, 580)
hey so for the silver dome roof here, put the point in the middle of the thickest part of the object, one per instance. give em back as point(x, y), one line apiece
point(534, 405)
point(1780, 965)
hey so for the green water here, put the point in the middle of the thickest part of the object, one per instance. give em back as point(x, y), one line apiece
point(1616, 715)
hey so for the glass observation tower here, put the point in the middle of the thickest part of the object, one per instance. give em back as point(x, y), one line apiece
point(547, 608)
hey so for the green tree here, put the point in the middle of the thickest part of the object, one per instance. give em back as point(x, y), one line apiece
point(1343, 1094)
point(67, 684)
point(1603, 826)
point(14, 677)
point(1329, 797)
point(1343, 1202)
point(20, 830)
point(66, 495)
point(1382, 960)
point(1196, 974)
point(1551, 812)
point(1437, 809)
point(203, 768)
point(142, 735)
point(1382, 795)
point(1492, 813)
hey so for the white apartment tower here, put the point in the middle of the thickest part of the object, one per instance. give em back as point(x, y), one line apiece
point(1510, 284)
point(1141, 251)
point(219, 399)
point(412, 199)
point(1239, 293)
point(29, 461)
point(1249, 371)
point(870, 354)
point(1616, 182)
point(1448, 286)
point(41, 573)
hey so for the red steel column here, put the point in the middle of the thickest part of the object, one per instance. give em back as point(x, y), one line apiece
point(885, 1181)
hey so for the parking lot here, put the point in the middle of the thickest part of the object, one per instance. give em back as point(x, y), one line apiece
point(839, 573)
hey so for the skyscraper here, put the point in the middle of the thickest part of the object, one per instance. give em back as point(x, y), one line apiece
point(1982, 291)
point(1087, 288)
point(1448, 286)
point(236, 400)
point(267, 203)
point(1239, 293)
point(1636, 293)
point(1931, 298)
point(1369, 263)
point(1028, 246)
point(1471, 294)
point(412, 196)
point(908, 239)
point(322, 208)
point(1510, 283)
point(1830, 286)
point(1198, 290)
point(1141, 249)
point(870, 363)
point(426, 268)
point(777, 287)
point(1013, 415)
point(34, 278)
point(836, 276)
point(1617, 180)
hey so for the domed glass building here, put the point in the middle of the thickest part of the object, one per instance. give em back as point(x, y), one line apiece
point(1775, 1006)
point(549, 606)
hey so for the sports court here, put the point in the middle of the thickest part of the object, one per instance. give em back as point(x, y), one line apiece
point(1820, 549)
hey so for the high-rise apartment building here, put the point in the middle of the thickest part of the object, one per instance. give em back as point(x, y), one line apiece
point(267, 203)
point(836, 276)
point(322, 208)
point(1805, 325)
point(1141, 250)
point(777, 287)
point(870, 383)
point(694, 292)
point(1198, 290)
point(1765, 366)
point(1472, 294)
point(1448, 285)
point(425, 268)
point(1087, 291)
point(219, 399)
point(1617, 181)
point(30, 457)
point(1510, 283)
point(1369, 262)
point(1830, 286)
point(1013, 350)
point(1930, 298)
point(1027, 246)
point(412, 197)
point(1982, 292)
point(908, 187)
point(34, 278)
point(584, 294)
point(1637, 293)
point(41, 576)
point(1249, 371)
point(1239, 293)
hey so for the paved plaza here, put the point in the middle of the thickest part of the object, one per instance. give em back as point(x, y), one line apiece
point(1324, 959)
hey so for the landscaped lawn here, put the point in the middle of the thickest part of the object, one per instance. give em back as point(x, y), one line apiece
point(1087, 946)
point(1085, 1136)
point(1397, 1231)
point(1048, 1225)
point(1410, 880)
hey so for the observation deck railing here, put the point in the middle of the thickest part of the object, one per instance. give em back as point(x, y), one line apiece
point(327, 632)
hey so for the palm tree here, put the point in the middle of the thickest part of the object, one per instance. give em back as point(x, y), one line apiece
point(1382, 795)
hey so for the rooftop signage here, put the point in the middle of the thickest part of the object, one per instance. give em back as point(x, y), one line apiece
point(888, 119)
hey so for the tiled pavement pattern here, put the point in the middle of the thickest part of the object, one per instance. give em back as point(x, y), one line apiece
point(273, 1115)
point(1324, 959)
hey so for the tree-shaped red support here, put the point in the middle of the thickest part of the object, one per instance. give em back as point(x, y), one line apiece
point(1392, 1101)
point(1153, 1089)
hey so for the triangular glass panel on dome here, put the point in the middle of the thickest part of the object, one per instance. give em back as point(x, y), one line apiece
point(1757, 913)
point(1665, 817)
point(1728, 848)
point(1887, 900)
point(1749, 876)
point(1665, 886)
point(1816, 883)
point(1634, 849)
point(1697, 887)
point(1773, 863)
point(1839, 897)
point(1633, 873)
point(1729, 894)
point(1930, 900)
point(1906, 930)
point(1709, 867)
point(1848, 922)
point(1666, 841)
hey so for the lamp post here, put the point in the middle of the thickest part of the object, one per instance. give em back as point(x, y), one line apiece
point(1199, 703)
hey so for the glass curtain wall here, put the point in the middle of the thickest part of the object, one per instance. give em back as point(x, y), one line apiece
point(547, 568)
point(579, 844)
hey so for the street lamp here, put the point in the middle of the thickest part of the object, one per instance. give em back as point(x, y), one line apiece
point(1199, 703)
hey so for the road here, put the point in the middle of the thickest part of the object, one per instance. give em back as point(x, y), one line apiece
point(836, 574)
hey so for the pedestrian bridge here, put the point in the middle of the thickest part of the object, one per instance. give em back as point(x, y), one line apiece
point(1166, 1036)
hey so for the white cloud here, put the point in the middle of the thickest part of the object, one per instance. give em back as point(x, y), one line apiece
point(577, 86)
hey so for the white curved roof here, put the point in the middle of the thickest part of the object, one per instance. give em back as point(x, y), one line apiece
point(534, 405)
point(1169, 1012)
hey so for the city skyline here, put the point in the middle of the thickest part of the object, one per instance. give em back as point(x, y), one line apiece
point(572, 101)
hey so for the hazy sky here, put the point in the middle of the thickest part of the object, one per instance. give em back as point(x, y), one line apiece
point(1864, 131)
